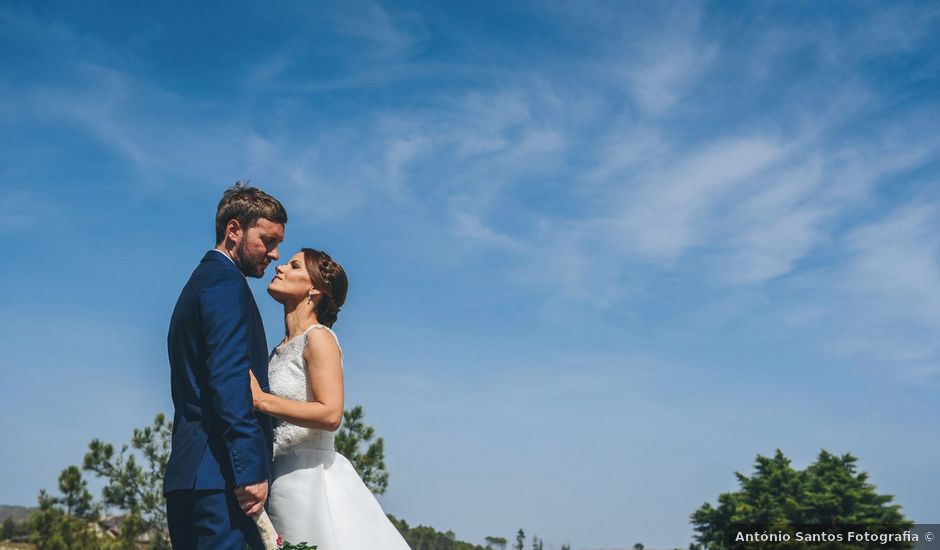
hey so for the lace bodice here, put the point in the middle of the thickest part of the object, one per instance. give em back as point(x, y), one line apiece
point(287, 375)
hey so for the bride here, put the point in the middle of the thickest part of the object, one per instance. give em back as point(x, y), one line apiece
point(316, 495)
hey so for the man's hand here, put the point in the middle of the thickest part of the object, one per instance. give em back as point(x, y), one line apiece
point(252, 497)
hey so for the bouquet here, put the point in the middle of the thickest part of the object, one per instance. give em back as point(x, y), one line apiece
point(273, 541)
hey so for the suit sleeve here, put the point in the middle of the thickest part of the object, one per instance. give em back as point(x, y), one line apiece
point(227, 324)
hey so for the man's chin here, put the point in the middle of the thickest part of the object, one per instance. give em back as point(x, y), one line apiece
point(253, 271)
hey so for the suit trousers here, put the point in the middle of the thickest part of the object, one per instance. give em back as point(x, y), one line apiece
point(209, 520)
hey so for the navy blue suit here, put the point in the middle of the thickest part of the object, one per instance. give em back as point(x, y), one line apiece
point(219, 441)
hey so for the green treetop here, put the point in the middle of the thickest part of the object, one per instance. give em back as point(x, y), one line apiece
point(830, 491)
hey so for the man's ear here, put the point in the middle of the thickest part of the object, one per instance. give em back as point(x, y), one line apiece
point(233, 231)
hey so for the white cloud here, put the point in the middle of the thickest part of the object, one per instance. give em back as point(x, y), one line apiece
point(896, 265)
point(399, 153)
point(97, 111)
point(629, 147)
point(371, 22)
point(22, 210)
point(878, 304)
point(670, 209)
point(479, 123)
point(666, 63)
point(469, 225)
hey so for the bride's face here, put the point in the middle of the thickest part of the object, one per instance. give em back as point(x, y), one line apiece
point(291, 280)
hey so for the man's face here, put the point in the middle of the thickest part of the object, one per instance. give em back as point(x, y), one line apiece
point(258, 247)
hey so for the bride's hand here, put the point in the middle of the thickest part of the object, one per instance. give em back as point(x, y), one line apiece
point(257, 395)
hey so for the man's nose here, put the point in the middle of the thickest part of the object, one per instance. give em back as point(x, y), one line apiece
point(274, 254)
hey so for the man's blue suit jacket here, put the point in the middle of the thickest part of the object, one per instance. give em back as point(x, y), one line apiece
point(215, 336)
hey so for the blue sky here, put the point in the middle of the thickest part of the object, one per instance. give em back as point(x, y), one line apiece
point(601, 254)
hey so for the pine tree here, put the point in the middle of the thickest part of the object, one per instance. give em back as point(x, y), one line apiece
point(371, 464)
point(133, 486)
point(135, 476)
point(496, 543)
point(75, 496)
point(64, 523)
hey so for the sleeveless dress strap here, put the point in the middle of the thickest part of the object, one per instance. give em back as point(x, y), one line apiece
point(311, 327)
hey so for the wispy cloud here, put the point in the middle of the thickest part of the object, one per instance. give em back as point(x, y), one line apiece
point(886, 304)
point(96, 110)
point(374, 46)
point(371, 22)
point(664, 67)
point(25, 211)
point(664, 216)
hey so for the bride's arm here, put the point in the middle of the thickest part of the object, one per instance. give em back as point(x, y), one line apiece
point(323, 360)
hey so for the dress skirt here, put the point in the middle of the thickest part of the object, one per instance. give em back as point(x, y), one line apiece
point(318, 498)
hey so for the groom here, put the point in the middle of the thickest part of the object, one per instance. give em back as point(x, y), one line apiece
point(220, 460)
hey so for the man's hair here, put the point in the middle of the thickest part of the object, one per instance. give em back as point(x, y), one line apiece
point(246, 204)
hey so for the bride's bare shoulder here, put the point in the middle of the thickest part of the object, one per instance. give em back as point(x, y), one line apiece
point(321, 341)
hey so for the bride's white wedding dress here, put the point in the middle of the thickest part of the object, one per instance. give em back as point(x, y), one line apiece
point(316, 496)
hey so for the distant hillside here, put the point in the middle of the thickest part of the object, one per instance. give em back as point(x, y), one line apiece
point(18, 513)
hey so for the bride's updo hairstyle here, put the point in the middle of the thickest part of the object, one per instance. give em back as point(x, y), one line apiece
point(328, 277)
